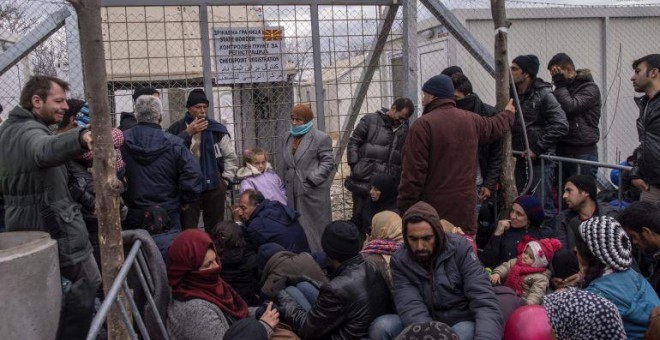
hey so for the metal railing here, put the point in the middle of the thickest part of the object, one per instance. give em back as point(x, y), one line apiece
point(579, 162)
point(147, 283)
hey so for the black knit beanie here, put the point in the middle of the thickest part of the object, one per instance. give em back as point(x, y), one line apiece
point(195, 97)
point(528, 63)
point(144, 91)
point(451, 70)
point(585, 183)
point(440, 86)
point(341, 241)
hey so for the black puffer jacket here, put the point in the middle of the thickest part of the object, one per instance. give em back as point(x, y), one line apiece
point(374, 147)
point(346, 306)
point(580, 100)
point(490, 155)
point(648, 153)
point(544, 118)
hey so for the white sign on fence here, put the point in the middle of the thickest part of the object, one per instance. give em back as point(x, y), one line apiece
point(248, 55)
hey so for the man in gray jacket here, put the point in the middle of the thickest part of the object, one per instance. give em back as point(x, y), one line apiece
point(33, 180)
point(437, 277)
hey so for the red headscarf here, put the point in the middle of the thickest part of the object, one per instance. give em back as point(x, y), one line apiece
point(185, 256)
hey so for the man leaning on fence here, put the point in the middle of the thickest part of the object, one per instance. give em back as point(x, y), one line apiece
point(646, 173)
point(33, 180)
point(210, 143)
point(545, 123)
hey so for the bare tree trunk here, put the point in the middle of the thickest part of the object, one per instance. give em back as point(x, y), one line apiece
point(106, 184)
point(502, 94)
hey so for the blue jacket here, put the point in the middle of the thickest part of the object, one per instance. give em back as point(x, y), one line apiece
point(272, 222)
point(454, 288)
point(160, 170)
point(632, 295)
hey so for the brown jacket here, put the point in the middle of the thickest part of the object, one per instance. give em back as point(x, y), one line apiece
point(287, 268)
point(440, 160)
point(534, 285)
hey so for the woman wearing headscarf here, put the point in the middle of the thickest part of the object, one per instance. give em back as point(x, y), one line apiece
point(604, 254)
point(526, 218)
point(382, 197)
point(308, 163)
point(204, 306)
point(386, 238)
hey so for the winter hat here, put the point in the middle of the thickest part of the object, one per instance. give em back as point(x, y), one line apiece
point(451, 70)
point(303, 111)
point(585, 183)
point(532, 208)
point(579, 314)
point(440, 86)
point(75, 105)
point(195, 97)
point(144, 91)
point(565, 263)
point(544, 250)
point(607, 241)
point(341, 241)
point(528, 63)
point(428, 330)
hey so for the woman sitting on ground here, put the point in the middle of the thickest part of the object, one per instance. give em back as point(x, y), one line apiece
point(526, 217)
point(604, 254)
point(204, 306)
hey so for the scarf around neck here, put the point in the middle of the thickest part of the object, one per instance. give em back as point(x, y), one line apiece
point(184, 257)
point(207, 160)
point(298, 131)
point(516, 276)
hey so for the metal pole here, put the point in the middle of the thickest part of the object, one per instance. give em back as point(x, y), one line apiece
point(603, 90)
point(410, 63)
point(206, 56)
point(75, 67)
point(318, 69)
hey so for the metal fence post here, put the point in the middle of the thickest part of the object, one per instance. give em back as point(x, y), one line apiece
point(206, 56)
point(410, 62)
point(318, 68)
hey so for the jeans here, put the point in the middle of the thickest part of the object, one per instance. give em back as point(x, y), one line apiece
point(385, 327)
point(571, 169)
point(464, 329)
point(304, 293)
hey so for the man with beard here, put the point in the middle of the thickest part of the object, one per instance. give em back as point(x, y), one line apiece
point(641, 220)
point(437, 277)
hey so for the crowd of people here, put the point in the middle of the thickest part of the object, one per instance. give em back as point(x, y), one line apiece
point(414, 261)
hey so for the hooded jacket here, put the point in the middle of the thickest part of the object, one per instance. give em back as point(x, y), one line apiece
point(33, 179)
point(545, 120)
point(268, 183)
point(580, 100)
point(452, 288)
point(440, 160)
point(273, 222)
point(375, 147)
point(160, 170)
point(648, 128)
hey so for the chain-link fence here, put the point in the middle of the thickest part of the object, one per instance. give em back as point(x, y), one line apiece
point(327, 55)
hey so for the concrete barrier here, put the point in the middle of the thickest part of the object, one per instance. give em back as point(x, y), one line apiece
point(30, 286)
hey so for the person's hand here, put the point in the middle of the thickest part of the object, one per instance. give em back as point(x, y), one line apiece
point(198, 125)
point(509, 106)
point(529, 153)
point(484, 194)
point(271, 316)
point(502, 226)
point(495, 279)
point(555, 70)
point(640, 184)
point(457, 231)
point(86, 139)
point(236, 213)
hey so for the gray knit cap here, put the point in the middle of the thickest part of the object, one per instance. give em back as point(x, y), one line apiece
point(607, 241)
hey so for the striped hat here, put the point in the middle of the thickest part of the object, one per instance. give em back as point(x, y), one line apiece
point(607, 241)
